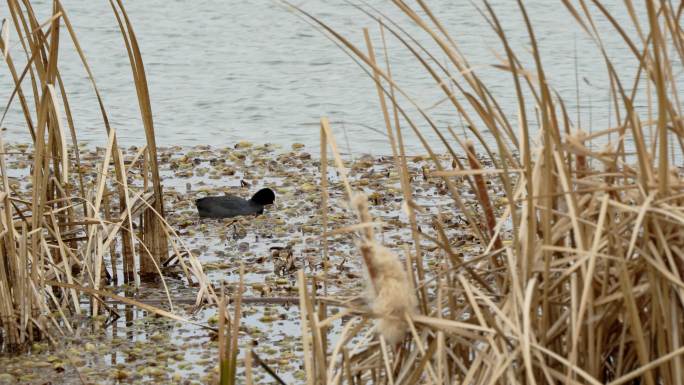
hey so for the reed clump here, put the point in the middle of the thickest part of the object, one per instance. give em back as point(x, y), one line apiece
point(58, 231)
point(577, 276)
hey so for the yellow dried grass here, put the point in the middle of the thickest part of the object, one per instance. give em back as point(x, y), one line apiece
point(43, 268)
point(590, 286)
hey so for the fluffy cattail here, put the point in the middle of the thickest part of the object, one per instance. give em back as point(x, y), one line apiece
point(390, 294)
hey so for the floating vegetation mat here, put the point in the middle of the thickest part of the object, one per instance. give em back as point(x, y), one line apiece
point(139, 347)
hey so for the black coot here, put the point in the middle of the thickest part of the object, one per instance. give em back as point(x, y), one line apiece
point(230, 205)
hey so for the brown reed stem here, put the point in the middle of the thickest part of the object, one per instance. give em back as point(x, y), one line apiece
point(483, 197)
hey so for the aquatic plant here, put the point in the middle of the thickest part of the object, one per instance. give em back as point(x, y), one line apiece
point(577, 273)
point(57, 230)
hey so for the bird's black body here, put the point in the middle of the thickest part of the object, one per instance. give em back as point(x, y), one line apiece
point(231, 206)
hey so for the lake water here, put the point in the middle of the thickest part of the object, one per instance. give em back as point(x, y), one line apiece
point(224, 71)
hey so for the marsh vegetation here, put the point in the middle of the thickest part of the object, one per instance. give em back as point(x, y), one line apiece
point(522, 248)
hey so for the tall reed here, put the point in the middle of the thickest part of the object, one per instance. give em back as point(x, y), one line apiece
point(54, 237)
point(580, 275)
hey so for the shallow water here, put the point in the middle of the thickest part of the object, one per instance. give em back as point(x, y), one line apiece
point(220, 72)
point(140, 347)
